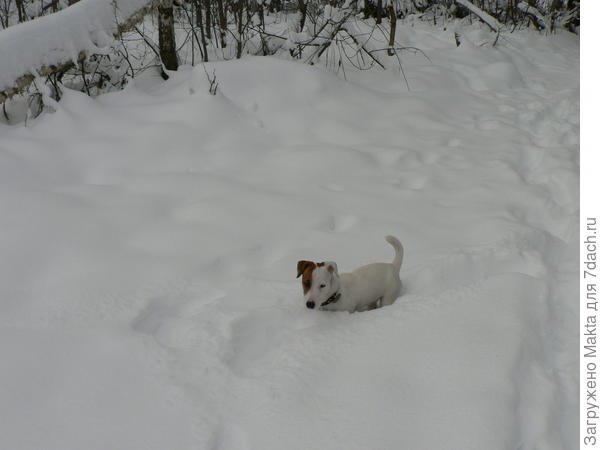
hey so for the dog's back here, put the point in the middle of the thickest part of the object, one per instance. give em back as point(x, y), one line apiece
point(368, 284)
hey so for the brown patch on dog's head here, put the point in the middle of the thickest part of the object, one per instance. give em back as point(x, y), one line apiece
point(305, 268)
point(303, 265)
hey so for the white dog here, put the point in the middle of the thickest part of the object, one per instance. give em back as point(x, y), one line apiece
point(366, 288)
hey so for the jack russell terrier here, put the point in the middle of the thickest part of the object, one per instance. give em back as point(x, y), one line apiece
point(366, 288)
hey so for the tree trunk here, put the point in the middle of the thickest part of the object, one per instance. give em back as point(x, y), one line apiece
point(21, 10)
point(222, 22)
point(239, 14)
point(378, 12)
point(208, 20)
point(166, 35)
point(201, 28)
point(392, 44)
point(302, 9)
point(198, 7)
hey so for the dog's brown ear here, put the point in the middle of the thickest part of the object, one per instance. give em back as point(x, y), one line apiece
point(302, 266)
point(331, 267)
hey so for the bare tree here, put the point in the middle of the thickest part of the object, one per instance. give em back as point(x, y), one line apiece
point(302, 9)
point(5, 9)
point(392, 13)
point(21, 10)
point(238, 14)
point(378, 12)
point(208, 19)
point(222, 22)
point(200, 24)
point(166, 35)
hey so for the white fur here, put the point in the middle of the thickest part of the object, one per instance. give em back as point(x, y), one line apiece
point(368, 287)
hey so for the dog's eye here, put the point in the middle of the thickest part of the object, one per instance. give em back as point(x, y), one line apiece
point(322, 286)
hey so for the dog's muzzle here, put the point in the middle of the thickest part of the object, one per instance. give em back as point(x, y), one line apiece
point(310, 305)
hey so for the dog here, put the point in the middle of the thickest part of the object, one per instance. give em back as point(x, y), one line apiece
point(368, 287)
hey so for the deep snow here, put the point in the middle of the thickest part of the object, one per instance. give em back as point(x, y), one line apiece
point(87, 26)
point(149, 240)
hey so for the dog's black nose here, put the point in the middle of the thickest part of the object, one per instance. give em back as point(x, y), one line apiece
point(310, 305)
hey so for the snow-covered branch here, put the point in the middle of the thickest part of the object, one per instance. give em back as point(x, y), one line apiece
point(56, 42)
point(485, 17)
point(536, 16)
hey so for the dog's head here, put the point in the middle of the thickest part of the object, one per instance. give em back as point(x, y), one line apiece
point(319, 281)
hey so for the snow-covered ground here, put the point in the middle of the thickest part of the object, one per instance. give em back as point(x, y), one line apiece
point(87, 27)
point(149, 241)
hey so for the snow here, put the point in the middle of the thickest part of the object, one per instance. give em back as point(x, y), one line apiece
point(488, 19)
point(150, 240)
point(87, 26)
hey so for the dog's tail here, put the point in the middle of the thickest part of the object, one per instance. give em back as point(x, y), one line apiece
point(397, 262)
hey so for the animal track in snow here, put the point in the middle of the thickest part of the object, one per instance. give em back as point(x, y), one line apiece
point(173, 320)
point(467, 268)
point(506, 109)
point(454, 142)
point(333, 187)
point(410, 181)
point(254, 336)
point(339, 223)
point(229, 437)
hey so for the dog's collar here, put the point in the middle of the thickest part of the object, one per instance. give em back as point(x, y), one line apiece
point(333, 299)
